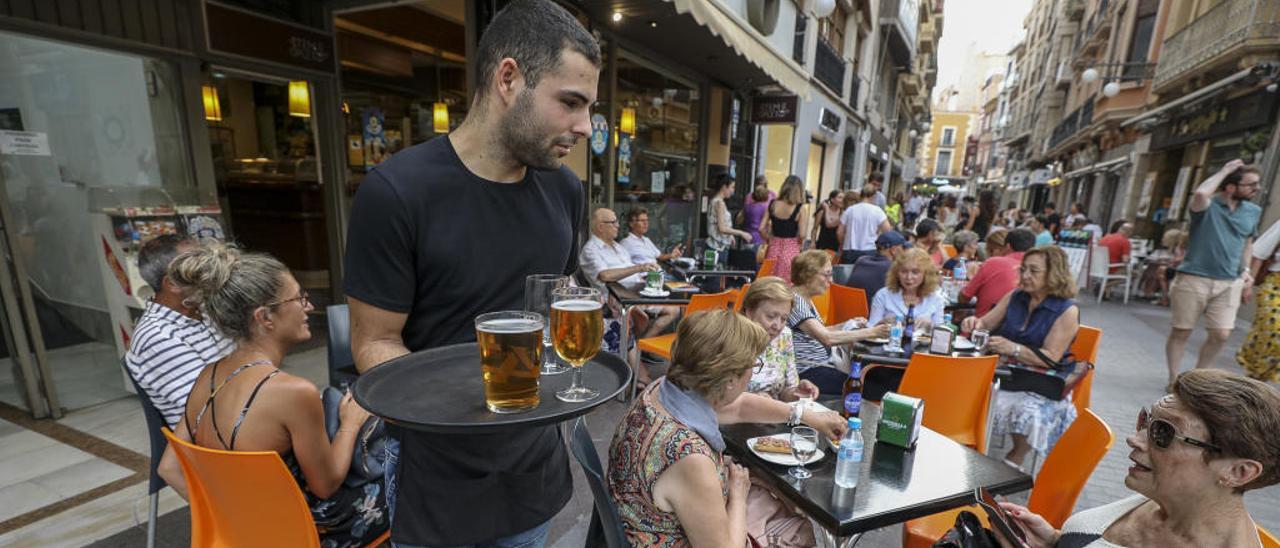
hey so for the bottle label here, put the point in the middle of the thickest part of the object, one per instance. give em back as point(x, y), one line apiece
point(853, 403)
point(850, 453)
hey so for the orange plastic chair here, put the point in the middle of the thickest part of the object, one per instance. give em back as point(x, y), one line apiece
point(1085, 347)
point(847, 302)
point(766, 268)
point(244, 498)
point(1057, 487)
point(661, 344)
point(949, 250)
point(823, 304)
point(956, 392)
point(1268, 540)
point(739, 295)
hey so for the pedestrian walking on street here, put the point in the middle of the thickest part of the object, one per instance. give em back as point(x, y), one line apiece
point(826, 222)
point(1214, 278)
point(420, 269)
point(784, 226)
point(1260, 355)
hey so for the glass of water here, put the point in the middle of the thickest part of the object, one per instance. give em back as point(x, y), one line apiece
point(804, 443)
point(979, 338)
point(537, 298)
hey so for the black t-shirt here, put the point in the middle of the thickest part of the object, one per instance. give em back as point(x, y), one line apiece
point(430, 239)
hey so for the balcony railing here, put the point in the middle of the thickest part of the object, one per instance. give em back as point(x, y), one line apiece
point(1072, 124)
point(1225, 26)
point(828, 67)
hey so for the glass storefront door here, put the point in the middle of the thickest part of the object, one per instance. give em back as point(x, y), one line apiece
point(116, 149)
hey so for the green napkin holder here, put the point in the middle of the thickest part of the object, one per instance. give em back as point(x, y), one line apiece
point(900, 420)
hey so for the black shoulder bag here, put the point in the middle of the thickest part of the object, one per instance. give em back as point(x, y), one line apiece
point(1053, 382)
point(368, 459)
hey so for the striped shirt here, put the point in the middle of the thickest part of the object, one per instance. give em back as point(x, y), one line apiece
point(809, 352)
point(166, 355)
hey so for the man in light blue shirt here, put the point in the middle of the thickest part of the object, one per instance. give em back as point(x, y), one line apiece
point(1214, 277)
point(1040, 226)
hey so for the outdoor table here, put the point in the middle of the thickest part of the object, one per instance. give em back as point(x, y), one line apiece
point(629, 299)
point(719, 272)
point(894, 485)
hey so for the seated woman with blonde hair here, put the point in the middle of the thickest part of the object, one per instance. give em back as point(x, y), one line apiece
point(768, 303)
point(254, 300)
point(667, 473)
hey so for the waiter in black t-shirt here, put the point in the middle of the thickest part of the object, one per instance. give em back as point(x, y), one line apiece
point(447, 230)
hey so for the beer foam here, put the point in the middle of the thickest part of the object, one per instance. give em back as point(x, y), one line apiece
point(510, 325)
point(577, 305)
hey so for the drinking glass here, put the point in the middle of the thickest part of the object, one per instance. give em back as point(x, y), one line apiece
point(804, 443)
point(577, 326)
point(537, 298)
point(510, 347)
point(979, 338)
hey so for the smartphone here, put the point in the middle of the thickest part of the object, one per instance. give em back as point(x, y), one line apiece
point(1004, 525)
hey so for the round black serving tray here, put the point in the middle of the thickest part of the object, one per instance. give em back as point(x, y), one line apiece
point(442, 390)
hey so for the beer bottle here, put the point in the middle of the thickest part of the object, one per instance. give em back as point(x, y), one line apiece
point(909, 330)
point(852, 396)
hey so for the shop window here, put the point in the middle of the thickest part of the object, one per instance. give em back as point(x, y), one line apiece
point(116, 140)
point(657, 150)
point(777, 154)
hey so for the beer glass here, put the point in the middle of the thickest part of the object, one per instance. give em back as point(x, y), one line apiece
point(577, 326)
point(537, 298)
point(510, 354)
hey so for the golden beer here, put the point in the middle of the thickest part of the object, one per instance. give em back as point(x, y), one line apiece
point(511, 358)
point(577, 326)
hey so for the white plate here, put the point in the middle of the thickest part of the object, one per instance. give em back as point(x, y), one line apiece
point(779, 458)
point(657, 294)
point(964, 344)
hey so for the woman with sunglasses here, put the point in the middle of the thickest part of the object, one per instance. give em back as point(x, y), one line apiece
point(243, 402)
point(1038, 315)
point(1195, 454)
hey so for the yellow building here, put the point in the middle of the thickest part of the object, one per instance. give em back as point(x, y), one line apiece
point(943, 149)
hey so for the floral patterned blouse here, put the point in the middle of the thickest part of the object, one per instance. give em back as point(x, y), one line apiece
point(775, 367)
point(648, 441)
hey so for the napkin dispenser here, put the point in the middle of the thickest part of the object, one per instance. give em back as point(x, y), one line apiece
point(900, 420)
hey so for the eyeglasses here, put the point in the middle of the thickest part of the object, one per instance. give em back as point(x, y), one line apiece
point(759, 365)
point(302, 298)
point(1162, 432)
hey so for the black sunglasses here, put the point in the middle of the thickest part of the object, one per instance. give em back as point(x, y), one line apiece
point(1162, 432)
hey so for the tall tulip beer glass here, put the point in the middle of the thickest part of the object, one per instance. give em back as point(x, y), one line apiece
point(537, 298)
point(510, 357)
point(577, 325)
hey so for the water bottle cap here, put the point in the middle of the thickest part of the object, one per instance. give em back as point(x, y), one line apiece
point(855, 423)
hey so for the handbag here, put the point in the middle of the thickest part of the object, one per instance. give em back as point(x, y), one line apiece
point(1053, 382)
point(968, 532)
point(368, 458)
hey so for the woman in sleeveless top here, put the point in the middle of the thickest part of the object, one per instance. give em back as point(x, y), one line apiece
point(784, 224)
point(1039, 314)
point(753, 210)
point(826, 222)
point(667, 472)
point(243, 402)
point(720, 231)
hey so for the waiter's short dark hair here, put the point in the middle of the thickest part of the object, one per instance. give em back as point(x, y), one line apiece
point(534, 33)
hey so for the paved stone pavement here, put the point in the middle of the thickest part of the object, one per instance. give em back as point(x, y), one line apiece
point(1130, 374)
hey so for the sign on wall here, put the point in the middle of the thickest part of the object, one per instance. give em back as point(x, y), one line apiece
point(775, 109)
point(246, 34)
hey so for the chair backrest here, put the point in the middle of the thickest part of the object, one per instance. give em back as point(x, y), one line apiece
point(847, 302)
point(1085, 348)
point(766, 268)
point(710, 301)
point(740, 295)
point(584, 451)
point(340, 358)
point(1099, 260)
point(823, 304)
point(956, 392)
point(1268, 540)
point(1068, 467)
point(155, 432)
point(243, 498)
point(949, 250)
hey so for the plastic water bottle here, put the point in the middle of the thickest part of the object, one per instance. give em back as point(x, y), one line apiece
point(849, 459)
point(895, 335)
point(961, 272)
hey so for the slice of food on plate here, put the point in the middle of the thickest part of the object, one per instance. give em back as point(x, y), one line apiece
point(773, 444)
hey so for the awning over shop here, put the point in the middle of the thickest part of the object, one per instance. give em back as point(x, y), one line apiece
point(1100, 166)
point(752, 48)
